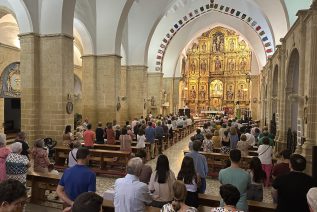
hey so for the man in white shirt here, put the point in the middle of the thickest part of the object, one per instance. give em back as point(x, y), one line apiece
point(131, 194)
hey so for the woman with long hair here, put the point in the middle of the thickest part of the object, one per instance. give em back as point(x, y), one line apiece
point(225, 141)
point(178, 203)
point(68, 136)
point(255, 191)
point(234, 137)
point(161, 182)
point(188, 175)
point(125, 140)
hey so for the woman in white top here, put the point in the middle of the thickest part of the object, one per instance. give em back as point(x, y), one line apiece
point(188, 175)
point(72, 161)
point(265, 155)
point(161, 183)
point(141, 139)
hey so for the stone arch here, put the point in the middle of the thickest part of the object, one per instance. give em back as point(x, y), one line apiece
point(63, 13)
point(292, 87)
point(274, 89)
point(84, 36)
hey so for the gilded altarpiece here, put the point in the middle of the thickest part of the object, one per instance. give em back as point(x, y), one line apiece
point(215, 70)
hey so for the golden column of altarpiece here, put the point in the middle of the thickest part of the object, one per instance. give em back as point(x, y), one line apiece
point(214, 73)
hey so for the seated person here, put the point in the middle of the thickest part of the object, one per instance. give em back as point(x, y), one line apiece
point(131, 194)
point(88, 201)
point(178, 204)
point(282, 167)
point(230, 195)
point(13, 196)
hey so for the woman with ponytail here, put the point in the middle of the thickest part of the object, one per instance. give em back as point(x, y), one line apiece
point(178, 204)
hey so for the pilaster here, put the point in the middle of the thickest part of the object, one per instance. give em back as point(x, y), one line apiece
point(155, 87)
point(136, 91)
point(89, 89)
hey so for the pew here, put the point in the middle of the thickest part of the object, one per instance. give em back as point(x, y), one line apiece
point(254, 206)
point(206, 202)
point(105, 162)
point(40, 182)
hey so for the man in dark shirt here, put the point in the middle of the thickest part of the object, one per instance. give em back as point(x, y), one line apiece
point(159, 132)
point(290, 190)
point(283, 167)
point(25, 147)
point(99, 134)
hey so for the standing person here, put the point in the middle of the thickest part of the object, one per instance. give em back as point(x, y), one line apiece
point(243, 145)
point(146, 170)
point(89, 137)
point(237, 177)
point(77, 179)
point(131, 194)
point(199, 136)
point(68, 136)
point(150, 136)
point(40, 157)
point(72, 161)
point(265, 155)
point(4, 152)
point(255, 191)
point(216, 139)
point(99, 134)
point(125, 141)
point(117, 131)
point(222, 130)
point(140, 139)
point(161, 182)
point(225, 143)
point(200, 163)
point(208, 144)
point(282, 167)
point(17, 164)
point(230, 195)
point(290, 190)
point(188, 175)
point(110, 134)
point(159, 132)
point(234, 137)
point(178, 204)
point(25, 147)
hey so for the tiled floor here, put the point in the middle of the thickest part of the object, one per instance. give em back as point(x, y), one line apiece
point(175, 155)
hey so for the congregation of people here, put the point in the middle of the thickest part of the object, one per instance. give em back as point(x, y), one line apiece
point(292, 189)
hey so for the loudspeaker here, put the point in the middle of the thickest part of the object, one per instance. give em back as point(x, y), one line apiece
point(314, 162)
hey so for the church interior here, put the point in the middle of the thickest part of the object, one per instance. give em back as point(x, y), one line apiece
point(66, 61)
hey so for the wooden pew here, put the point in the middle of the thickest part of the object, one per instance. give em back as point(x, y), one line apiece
point(102, 159)
point(254, 206)
point(40, 182)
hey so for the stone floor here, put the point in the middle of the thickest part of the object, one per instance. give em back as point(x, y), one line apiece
point(175, 155)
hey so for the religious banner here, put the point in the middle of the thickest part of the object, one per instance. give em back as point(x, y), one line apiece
point(11, 81)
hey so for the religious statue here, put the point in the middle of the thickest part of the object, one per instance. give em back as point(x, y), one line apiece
point(214, 47)
point(231, 45)
point(231, 65)
point(164, 97)
point(243, 64)
point(241, 93)
point(204, 47)
point(202, 93)
point(193, 93)
point(152, 101)
point(221, 46)
point(203, 67)
point(230, 93)
point(217, 64)
point(242, 45)
point(193, 68)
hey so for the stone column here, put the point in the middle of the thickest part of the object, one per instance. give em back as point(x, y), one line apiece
point(255, 83)
point(30, 88)
point(311, 55)
point(281, 139)
point(107, 86)
point(155, 86)
point(89, 88)
point(302, 63)
point(56, 85)
point(137, 91)
point(122, 114)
